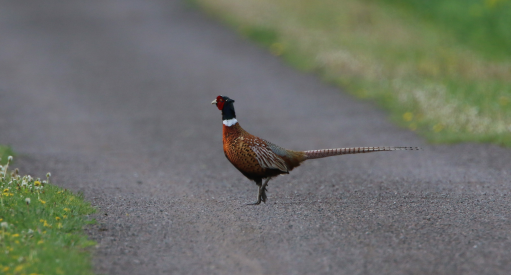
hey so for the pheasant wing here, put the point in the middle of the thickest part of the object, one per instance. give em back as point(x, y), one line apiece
point(265, 153)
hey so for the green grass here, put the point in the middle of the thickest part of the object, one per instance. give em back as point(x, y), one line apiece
point(41, 227)
point(481, 24)
point(430, 79)
point(5, 151)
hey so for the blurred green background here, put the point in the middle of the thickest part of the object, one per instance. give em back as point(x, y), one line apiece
point(441, 68)
point(482, 24)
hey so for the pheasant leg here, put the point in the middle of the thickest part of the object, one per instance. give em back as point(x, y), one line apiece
point(261, 194)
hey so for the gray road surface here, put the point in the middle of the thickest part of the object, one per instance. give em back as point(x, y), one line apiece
point(113, 97)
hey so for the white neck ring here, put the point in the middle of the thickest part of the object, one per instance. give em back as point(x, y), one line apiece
point(229, 122)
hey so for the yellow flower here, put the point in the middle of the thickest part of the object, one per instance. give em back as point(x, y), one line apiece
point(408, 116)
point(37, 183)
point(43, 202)
point(45, 224)
point(57, 218)
point(40, 242)
point(15, 235)
point(18, 268)
point(1, 219)
point(64, 216)
point(437, 128)
point(5, 269)
point(59, 225)
point(66, 209)
point(6, 190)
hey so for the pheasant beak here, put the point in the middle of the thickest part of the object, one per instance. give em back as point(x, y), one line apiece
point(213, 102)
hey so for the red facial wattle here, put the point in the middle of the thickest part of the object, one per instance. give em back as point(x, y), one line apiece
point(220, 103)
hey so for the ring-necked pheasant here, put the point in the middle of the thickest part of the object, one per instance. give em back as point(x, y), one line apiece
point(258, 159)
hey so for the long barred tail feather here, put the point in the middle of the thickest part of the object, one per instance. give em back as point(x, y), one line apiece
point(323, 153)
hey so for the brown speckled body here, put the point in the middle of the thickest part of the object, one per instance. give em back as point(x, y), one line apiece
point(239, 148)
point(258, 159)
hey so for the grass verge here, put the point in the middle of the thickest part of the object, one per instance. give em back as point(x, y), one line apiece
point(41, 227)
point(5, 151)
point(480, 24)
point(431, 82)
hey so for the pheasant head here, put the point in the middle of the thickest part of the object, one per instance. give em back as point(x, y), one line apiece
point(225, 105)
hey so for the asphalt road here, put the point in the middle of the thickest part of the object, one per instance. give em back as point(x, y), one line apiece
point(113, 98)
